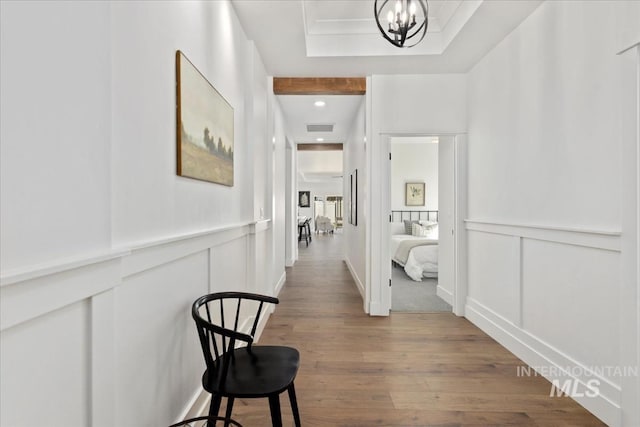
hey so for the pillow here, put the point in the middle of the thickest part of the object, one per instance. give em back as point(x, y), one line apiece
point(407, 226)
point(432, 232)
point(427, 223)
point(419, 231)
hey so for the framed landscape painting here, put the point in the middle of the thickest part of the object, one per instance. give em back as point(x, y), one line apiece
point(204, 127)
point(414, 194)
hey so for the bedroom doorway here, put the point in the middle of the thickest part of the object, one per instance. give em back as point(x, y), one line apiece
point(416, 189)
point(428, 192)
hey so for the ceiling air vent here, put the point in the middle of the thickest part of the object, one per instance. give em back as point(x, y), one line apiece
point(320, 128)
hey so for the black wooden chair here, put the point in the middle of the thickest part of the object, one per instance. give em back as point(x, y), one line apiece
point(235, 368)
point(204, 422)
point(304, 230)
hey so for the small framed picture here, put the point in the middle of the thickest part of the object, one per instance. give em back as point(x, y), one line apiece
point(414, 194)
point(304, 199)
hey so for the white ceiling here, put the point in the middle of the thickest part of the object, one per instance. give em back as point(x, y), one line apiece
point(339, 38)
point(300, 110)
point(319, 166)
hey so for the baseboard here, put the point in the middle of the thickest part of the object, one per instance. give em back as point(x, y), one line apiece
point(280, 284)
point(375, 309)
point(356, 279)
point(537, 353)
point(289, 262)
point(445, 295)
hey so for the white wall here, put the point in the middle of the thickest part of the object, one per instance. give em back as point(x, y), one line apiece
point(402, 105)
point(545, 193)
point(355, 236)
point(291, 205)
point(319, 189)
point(279, 190)
point(160, 203)
point(414, 162)
point(316, 171)
point(104, 248)
point(56, 132)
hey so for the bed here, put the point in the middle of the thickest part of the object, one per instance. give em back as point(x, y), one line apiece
point(416, 254)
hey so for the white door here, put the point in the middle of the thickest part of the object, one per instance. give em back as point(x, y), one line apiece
point(446, 218)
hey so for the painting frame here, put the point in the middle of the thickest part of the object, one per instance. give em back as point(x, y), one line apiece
point(304, 199)
point(414, 193)
point(204, 127)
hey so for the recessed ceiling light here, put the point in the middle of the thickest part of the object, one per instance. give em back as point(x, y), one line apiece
point(319, 139)
point(319, 103)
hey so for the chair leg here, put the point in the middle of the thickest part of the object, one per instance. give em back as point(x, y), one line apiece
point(229, 409)
point(274, 405)
point(214, 408)
point(294, 404)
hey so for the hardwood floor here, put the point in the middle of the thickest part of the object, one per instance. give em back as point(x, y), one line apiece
point(403, 370)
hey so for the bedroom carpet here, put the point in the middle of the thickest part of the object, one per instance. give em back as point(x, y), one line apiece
point(419, 297)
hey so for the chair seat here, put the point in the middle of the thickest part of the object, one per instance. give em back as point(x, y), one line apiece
point(264, 371)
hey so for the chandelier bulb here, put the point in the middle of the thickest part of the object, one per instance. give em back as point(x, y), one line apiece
point(398, 7)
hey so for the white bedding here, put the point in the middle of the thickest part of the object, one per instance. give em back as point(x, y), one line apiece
point(422, 260)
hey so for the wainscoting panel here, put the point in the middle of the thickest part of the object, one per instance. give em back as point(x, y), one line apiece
point(578, 288)
point(41, 357)
point(493, 273)
point(158, 356)
point(551, 295)
point(229, 266)
point(262, 282)
point(109, 340)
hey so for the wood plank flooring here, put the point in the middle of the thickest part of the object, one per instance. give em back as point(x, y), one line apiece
point(403, 370)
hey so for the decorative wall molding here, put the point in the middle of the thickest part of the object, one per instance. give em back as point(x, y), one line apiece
point(536, 353)
point(11, 277)
point(628, 48)
point(511, 332)
point(37, 291)
point(259, 226)
point(150, 254)
point(34, 297)
point(598, 239)
point(30, 292)
point(103, 359)
point(214, 236)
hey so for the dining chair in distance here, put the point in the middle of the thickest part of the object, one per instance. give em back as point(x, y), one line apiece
point(235, 368)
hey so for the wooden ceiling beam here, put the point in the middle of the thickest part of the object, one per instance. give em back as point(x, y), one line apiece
point(319, 85)
point(320, 147)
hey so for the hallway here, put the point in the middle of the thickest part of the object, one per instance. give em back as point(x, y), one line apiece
point(403, 370)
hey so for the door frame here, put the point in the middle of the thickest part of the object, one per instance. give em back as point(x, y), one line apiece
point(629, 91)
point(380, 272)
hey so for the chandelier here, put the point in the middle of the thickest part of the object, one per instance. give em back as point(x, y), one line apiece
point(402, 21)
